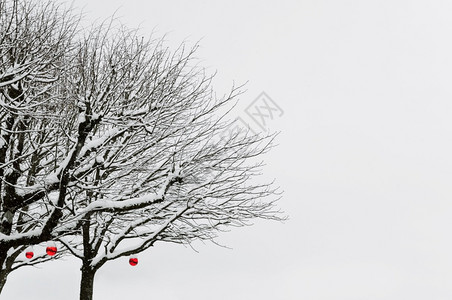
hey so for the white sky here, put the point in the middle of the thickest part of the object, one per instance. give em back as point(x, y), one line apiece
point(364, 154)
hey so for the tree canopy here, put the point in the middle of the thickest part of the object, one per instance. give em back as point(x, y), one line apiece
point(109, 142)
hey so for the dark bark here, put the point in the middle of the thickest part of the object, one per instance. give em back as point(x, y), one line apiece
point(87, 282)
point(3, 277)
point(4, 272)
point(7, 262)
point(88, 272)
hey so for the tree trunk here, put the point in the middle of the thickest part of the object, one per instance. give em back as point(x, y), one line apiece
point(3, 276)
point(6, 264)
point(87, 282)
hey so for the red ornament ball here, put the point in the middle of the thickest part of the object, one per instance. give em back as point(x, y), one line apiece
point(29, 254)
point(51, 251)
point(133, 261)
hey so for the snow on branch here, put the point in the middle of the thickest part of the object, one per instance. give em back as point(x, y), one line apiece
point(108, 141)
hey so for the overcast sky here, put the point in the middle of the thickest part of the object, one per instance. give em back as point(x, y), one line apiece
point(364, 154)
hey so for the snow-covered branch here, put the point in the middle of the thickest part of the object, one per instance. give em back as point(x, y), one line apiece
point(108, 142)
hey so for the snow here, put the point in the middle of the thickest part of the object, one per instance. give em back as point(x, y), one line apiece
point(97, 116)
point(136, 112)
point(147, 199)
point(93, 144)
point(15, 79)
point(81, 118)
point(99, 159)
point(8, 171)
point(125, 204)
point(49, 180)
point(53, 197)
point(18, 236)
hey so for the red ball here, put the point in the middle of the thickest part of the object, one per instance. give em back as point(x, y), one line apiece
point(133, 261)
point(51, 251)
point(29, 254)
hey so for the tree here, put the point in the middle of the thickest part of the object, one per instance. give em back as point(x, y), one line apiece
point(35, 41)
point(159, 173)
point(113, 145)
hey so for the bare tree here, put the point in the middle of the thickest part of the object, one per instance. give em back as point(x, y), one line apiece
point(35, 40)
point(155, 171)
point(108, 143)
